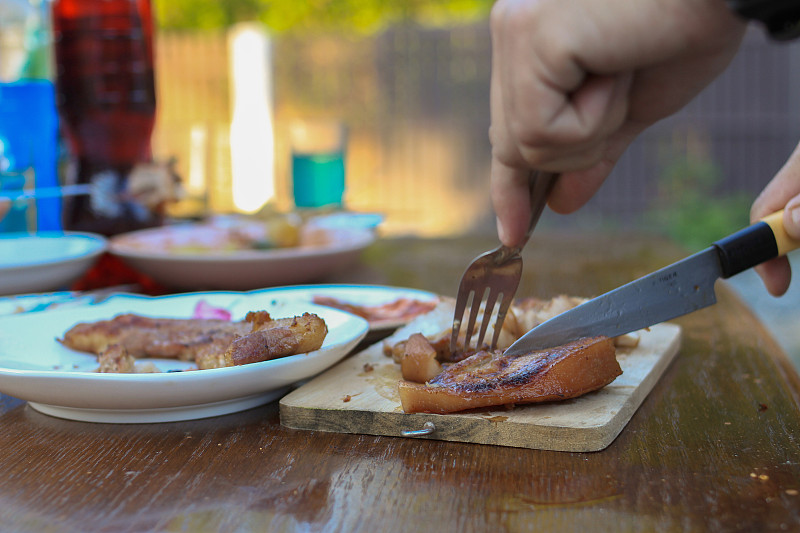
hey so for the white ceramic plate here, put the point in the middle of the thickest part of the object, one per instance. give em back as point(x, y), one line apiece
point(37, 262)
point(152, 253)
point(362, 295)
point(58, 381)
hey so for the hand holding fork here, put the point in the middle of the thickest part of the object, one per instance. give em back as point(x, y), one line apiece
point(495, 274)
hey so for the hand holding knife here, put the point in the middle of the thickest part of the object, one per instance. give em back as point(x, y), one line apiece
point(670, 292)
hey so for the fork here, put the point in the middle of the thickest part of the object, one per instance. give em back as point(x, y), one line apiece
point(497, 271)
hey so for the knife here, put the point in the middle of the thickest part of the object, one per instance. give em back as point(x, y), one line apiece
point(673, 291)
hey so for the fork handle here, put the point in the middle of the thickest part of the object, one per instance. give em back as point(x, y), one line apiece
point(540, 184)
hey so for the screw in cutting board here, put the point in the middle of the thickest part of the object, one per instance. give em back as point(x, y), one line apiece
point(427, 429)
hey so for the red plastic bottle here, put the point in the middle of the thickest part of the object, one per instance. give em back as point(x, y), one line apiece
point(105, 94)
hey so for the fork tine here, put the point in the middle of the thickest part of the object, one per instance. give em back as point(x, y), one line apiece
point(487, 315)
point(458, 316)
point(505, 303)
point(475, 308)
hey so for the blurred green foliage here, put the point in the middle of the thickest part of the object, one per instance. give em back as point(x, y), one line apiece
point(690, 208)
point(299, 16)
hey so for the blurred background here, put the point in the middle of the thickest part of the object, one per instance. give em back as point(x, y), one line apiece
point(411, 80)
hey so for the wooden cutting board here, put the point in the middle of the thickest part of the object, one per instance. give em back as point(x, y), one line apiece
point(359, 395)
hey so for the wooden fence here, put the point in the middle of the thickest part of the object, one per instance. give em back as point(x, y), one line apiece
point(416, 101)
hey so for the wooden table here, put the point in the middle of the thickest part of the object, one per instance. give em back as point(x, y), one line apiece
point(714, 447)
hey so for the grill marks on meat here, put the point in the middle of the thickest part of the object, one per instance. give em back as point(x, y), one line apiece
point(143, 336)
point(210, 343)
point(488, 379)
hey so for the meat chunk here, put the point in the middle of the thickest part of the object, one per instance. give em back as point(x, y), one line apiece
point(270, 340)
point(419, 362)
point(115, 359)
point(492, 379)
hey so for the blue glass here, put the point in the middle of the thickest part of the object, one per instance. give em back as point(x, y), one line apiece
point(29, 141)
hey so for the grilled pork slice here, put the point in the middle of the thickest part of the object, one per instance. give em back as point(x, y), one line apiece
point(492, 379)
point(143, 336)
point(209, 343)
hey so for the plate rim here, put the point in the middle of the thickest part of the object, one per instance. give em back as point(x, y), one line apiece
point(159, 414)
point(362, 238)
point(385, 325)
point(352, 286)
point(99, 244)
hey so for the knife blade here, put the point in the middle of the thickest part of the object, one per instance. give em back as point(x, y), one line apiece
point(668, 293)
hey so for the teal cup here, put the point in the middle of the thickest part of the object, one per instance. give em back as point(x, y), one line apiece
point(318, 164)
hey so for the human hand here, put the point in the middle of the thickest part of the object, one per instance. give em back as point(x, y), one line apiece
point(574, 82)
point(782, 192)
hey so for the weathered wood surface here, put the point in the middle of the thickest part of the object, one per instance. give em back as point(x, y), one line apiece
point(713, 447)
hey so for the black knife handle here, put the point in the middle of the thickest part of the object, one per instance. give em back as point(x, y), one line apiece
point(754, 244)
